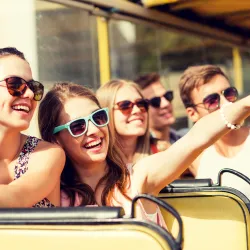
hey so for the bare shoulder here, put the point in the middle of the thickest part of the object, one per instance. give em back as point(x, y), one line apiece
point(44, 145)
point(49, 154)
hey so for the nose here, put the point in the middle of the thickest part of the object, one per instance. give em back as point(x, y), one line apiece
point(135, 109)
point(164, 102)
point(223, 99)
point(28, 93)
point(92, 128)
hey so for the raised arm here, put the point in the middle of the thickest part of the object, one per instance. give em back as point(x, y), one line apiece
point(153, 173)
point(42, 179)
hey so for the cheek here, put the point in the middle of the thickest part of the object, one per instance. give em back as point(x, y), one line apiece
point(34, 105)
point(5, 99)
point(66, 141)
point(146, 119)
point(119, 120)
point(105, 131)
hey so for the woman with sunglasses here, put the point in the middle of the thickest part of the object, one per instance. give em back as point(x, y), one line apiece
point(95, 173)
point(25, 161)
point(128, 119)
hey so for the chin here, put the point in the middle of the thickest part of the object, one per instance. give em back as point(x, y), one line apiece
point(170, 121)
point(22, 127)
point(98, 158)
point(140, 133)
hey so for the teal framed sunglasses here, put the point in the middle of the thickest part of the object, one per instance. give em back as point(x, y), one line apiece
point(79, 126)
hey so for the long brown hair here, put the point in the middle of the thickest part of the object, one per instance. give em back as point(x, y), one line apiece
point(106, 95)
point(48, 118)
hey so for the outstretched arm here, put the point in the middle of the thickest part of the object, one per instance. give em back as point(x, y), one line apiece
point(42, 179)
point(153, 173)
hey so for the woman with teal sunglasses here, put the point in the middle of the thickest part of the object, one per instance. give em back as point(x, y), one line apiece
point(95, 173)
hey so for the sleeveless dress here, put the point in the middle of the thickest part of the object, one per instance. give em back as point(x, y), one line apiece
point(22, 165)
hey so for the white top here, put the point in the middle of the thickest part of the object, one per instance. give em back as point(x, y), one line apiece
point(211, 162)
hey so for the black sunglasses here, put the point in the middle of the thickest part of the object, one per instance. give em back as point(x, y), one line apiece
point(17, 86)
point(212, 101)
point(126, 106)
point(156, 101)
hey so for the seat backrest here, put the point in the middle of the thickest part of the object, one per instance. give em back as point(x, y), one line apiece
point(57, 215)
point(29, 230)
point(213, 217)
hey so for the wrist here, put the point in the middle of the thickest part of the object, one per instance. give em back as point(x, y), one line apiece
point(230, 125)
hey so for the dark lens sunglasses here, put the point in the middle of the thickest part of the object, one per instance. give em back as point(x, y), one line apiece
point(212, 101)
point(17, 87)
point(78, 127)
point(156, 101)
point(126, 106)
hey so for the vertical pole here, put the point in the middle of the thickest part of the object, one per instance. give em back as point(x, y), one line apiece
point(237, 66)
point(103, 48)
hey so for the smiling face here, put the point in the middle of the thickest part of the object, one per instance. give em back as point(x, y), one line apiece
point(162, 116)
point(134, 123)
point(15, 112)
point(89, 148)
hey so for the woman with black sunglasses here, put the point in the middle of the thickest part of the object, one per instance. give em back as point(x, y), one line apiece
point(95, 173)
point(25, 161)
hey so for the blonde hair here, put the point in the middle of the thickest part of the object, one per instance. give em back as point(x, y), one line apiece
point(106, 95)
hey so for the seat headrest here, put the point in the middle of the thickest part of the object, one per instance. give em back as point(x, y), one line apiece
point(187, 183)
point(59, 215)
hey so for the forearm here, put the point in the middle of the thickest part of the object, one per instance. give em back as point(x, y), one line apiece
point(211, 127)
point(10, 198)
point(162, 168)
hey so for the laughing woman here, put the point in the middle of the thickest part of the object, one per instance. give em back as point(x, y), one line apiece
point(95, 173)
point(29, 176)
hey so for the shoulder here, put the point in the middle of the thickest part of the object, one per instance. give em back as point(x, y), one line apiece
point(48, 148)
point(48, 145)
point(49, 153)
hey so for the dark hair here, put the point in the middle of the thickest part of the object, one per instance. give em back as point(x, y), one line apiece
point(194, 77)
point(145, 80)
point(48, 118)
point(11, 51)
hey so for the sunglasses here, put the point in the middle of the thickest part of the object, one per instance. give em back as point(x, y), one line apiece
point(126, 106)
point(78, 127)
point(17, 86)
point(212, 101)
point(156, 101)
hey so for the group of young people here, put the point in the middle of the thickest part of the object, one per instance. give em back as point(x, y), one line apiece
point(95, 148)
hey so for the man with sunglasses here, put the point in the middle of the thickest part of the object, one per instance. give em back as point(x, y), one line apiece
point(204, 89)
point(160, 111)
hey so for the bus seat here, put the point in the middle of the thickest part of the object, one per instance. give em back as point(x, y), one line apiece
point(58, 229)
point(213, 217)
point(190, 183)
point(57, 215)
